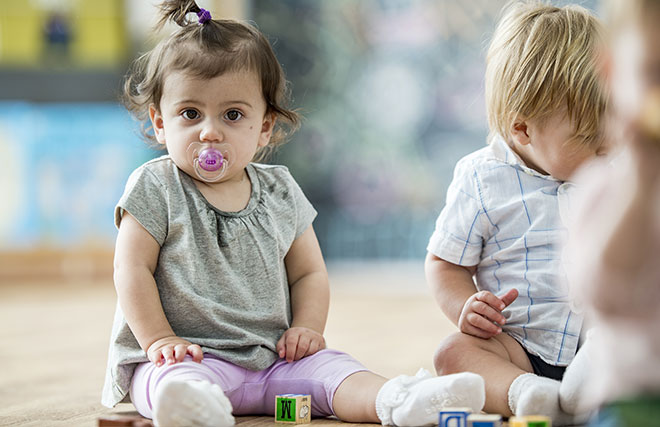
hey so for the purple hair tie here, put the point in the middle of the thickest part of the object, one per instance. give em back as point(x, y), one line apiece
point(203, 15)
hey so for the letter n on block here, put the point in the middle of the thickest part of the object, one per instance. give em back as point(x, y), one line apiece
point(293, 408)
point(454, 417)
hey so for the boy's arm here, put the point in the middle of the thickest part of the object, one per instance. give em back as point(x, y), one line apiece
point(475, 313)
point(136, 256)
point(310, 298)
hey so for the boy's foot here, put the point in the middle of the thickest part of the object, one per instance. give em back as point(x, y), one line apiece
point(416, 401)
point(531, 394)
point(191, 403)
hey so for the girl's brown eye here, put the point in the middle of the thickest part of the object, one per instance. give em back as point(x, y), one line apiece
point(190, 114)
point(233, 115)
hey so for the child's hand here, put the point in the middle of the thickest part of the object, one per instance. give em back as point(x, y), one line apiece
point(298, 342)
point(482, 311)
point(173, 349)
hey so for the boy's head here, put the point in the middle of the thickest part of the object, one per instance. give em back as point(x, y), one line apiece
point(542, 64)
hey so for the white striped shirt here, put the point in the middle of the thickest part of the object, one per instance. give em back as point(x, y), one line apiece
point(506, 219)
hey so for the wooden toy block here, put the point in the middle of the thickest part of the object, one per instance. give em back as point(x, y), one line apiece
point(484, 420)
point(530, 421)
point(293, 408)
point(453, 417)
point(124, 421)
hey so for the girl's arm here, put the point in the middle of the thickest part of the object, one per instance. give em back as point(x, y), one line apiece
point(136, 256)
point(475, 313)
point(310, 298)
point(619, 271)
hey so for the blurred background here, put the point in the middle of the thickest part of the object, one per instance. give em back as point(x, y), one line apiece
point(391, 92)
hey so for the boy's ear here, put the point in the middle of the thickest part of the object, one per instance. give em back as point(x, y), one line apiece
point(267, 127)
point(519, 132)
point(157, 124)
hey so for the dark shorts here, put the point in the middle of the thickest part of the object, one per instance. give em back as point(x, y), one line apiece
point(544, 369)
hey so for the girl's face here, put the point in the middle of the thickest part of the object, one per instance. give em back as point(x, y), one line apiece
point(635, 65)
point(227, 109)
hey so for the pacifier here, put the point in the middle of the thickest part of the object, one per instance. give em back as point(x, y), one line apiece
point(210, 160)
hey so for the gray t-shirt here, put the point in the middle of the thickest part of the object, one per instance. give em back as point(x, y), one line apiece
point(221, 275)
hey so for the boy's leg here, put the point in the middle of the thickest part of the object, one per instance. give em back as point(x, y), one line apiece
point(511, 388)
point(499, 360)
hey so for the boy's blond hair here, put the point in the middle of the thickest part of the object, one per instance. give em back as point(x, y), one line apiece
point(542, 61)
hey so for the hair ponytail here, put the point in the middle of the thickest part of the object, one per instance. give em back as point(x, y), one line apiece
point(177, 12)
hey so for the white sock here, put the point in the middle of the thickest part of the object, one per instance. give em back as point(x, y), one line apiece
point(416, 401)
point(191, 403)
point(573, 385)
point(531, 394)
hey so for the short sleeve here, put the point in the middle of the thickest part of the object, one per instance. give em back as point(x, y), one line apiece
point(145, 198)
point(305, 212)
point(459, 233)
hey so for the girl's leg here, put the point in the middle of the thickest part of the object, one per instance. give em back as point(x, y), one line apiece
point(406, 400)
point(341, 386)
point(186, 392)
point(355, 399)
point(318, 375)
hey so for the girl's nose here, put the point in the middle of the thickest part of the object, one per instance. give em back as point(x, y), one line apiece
point(211, 132)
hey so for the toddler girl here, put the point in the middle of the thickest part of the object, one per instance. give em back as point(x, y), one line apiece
point(222, 289)
point(615, 237)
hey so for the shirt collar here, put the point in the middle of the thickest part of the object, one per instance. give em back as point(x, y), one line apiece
point(504, 153)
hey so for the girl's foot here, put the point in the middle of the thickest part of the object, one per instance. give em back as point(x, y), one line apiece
point(191, 403)
point(416, 401)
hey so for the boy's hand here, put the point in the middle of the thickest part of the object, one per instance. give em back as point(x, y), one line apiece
point(298, 342)
point(482, 313)
point(170, 350)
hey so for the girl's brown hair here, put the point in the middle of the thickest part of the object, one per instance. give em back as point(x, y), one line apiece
point(207, 50)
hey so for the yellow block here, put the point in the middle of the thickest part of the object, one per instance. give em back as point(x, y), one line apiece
point(530, 421)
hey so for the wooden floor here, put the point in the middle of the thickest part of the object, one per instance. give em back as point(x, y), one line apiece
point(55, 335)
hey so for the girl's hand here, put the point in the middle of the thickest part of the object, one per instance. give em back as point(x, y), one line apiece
point(482, 314)
point(170, 350)
point(298, 342)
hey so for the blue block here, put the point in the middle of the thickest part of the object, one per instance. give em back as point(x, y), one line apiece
point(484, 420)
point(453, 417)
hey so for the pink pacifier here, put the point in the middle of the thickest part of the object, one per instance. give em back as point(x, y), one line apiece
point(210, 161)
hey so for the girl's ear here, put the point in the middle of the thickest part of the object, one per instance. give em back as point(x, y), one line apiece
point(267, 127)
point(157, 124)
point(520, 132)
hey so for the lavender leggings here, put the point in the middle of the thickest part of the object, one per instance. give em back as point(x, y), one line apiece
point(253, 393)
